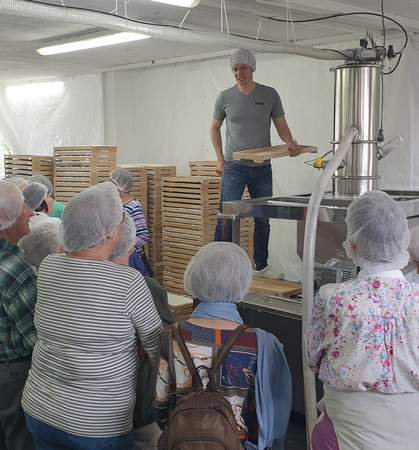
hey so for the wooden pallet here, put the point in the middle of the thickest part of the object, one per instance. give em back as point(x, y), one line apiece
point(139, 173)
point(275, 288)
point(209, 168)
point(262, 154)
point(190, 207)
point(180, 306)
point(25, 166)
point(154, 250)
point(77, 168)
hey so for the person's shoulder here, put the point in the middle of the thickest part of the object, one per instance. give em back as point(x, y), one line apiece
point(331, 289)
point(228, 93)
point(268, 90)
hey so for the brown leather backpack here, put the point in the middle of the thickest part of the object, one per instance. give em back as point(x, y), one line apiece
point(203, 419)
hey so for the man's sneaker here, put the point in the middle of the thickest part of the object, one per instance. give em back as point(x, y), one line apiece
point(268, 272)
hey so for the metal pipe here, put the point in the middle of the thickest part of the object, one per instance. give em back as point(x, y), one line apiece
point(100, 20)
point(308, 271)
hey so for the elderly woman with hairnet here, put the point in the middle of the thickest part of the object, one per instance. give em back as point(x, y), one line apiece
point(90, 313)
point(254, 376)
point(363, 339)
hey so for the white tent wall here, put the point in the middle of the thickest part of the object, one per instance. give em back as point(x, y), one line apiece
point(36, 117)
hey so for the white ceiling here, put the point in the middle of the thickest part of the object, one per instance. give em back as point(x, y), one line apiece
point(20, 36)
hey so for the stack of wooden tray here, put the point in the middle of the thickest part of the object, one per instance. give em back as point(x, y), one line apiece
point(180, 306)
point(77, 168)
point(190, 206)
point(154, 251)
point(25, 166)
point(209, 168)
point(139, 172)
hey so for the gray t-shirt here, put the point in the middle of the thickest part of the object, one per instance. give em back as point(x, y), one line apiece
point(248, 117)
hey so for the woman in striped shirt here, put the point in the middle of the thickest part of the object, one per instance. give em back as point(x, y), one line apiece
point(89, 316)
point(124, 182)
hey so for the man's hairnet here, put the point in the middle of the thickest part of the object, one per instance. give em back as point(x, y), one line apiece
point(123, 179)
point(127, 239)
point(378, 226)
point(243, 56)
point(34, 194)
point(11, 203)
point(220, 272)
point(43, 180)
point(43, 240)
point(91, 216)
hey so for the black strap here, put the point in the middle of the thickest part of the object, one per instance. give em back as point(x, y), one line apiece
point(194, 371)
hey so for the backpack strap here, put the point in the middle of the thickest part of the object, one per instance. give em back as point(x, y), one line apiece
point(225, 350)
point(196, 379)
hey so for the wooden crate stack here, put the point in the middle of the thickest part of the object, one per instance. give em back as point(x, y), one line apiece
point(154, 251)
point(190, 206)
point(139, 172)
point(209, 168)
point(77, 168)
point(25, 166)
point(180, 306)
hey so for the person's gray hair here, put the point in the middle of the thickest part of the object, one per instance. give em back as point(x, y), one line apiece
point(123, 179)
point(220, 272)
point(243, 56)
point(11, 203)
point(127, 239)
point(43, 240)
point(414, 243)
point(90, 217)
point(378, 226)
point(43, 179)
point(34, 194)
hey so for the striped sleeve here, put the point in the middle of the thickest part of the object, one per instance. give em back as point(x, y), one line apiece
point(140, 307)
point(135, 210)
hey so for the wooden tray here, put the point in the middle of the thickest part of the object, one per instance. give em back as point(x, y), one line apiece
point(275, 288)
point(259, 155)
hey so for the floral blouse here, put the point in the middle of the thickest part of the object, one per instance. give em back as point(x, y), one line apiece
point(364, 334)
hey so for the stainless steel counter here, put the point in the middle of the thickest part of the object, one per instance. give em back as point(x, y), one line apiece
point(278, 306)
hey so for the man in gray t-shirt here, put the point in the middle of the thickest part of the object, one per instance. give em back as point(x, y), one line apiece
point(248, 108)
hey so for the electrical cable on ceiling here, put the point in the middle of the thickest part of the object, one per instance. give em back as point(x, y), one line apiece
point(184, 18)
point(126, 8)
point(259, 27)
point(289, 19)
point(226, 18)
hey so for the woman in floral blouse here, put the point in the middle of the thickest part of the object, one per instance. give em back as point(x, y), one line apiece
point(363, 339)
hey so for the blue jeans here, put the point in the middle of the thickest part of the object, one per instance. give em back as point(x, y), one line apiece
point(46, 437)
point(259, 183)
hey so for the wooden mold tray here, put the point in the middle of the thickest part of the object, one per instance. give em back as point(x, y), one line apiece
point(25, 166)
point(275, 288)
point(259, 155)
point(77, 168)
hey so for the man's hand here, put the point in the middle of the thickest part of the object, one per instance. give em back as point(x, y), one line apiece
point(220, 167)
point(293, 149)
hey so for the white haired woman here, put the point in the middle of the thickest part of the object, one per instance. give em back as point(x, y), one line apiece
point(254, 376)
point(363, 338)
point(90, 314)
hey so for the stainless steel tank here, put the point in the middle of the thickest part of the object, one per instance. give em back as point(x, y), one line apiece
point(357, 103)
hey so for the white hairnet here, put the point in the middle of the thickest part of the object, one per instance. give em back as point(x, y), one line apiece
point(123, 179)
point(378, 227)
point(19, 181)
point(127, 239)
point(243, 56)
point(11, 203)
point(91, 216)
point(42, 179)
point(34, 194)
point(220, 272)
point(43, 240)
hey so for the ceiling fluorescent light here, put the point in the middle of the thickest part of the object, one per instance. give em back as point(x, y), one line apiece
point(84, 44)
point(184, 3)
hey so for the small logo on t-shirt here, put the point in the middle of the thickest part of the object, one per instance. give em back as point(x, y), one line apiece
point(260, 103)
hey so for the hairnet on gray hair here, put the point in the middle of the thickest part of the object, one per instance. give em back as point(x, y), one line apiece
point(19, 181)
point(378, 226)
point(123, 179)
point(43, 180)
point(243, 56)
point(11, 203)
point(127, 239)
point(34, 194)
point(220, 272)
point(90, 217)
point(43, 240)
point(414, 243)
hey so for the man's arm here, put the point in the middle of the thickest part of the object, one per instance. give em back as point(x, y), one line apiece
point(285, 134)
point(215, 131)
